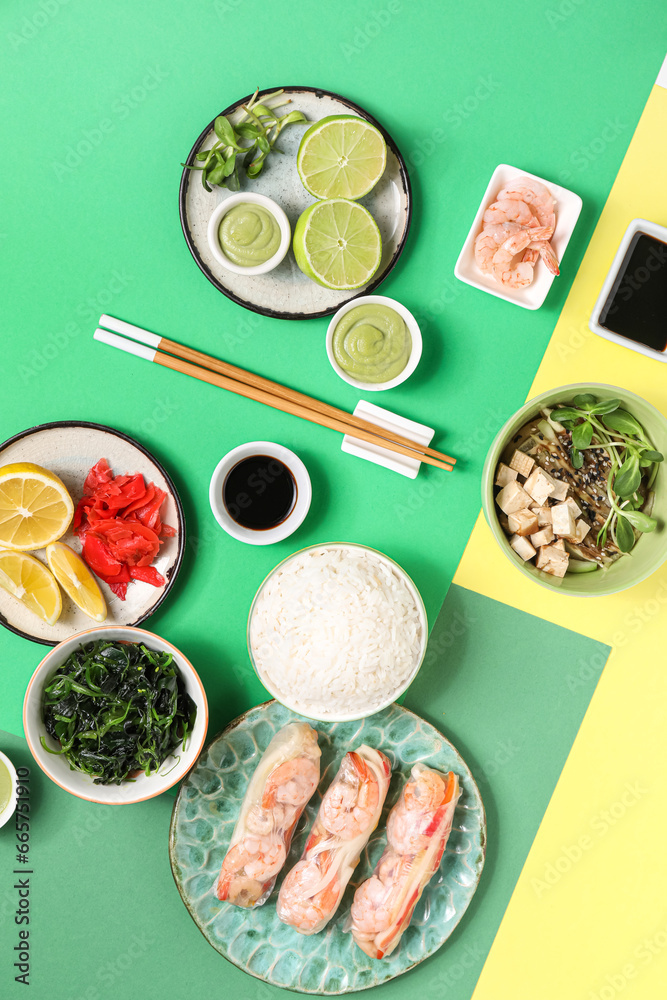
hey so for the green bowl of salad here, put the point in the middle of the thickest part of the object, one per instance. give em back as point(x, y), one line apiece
point(573, 489)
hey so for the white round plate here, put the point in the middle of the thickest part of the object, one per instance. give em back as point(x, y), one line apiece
point(70, 448)
point(285, 292)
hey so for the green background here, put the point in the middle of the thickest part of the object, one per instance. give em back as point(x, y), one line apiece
point(553, 87)
point(107, 918)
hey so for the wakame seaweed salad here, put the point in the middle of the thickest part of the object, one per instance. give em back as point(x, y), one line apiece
point(117, 708)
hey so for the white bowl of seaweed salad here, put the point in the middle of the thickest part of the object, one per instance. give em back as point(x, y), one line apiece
point(115, 715)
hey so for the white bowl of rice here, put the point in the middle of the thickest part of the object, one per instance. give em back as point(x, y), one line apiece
point(337, 632)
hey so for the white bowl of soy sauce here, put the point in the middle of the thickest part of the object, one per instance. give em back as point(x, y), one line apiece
point(260, 492)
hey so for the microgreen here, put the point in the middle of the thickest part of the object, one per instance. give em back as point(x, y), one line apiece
point(605, 425)
point(252, 139)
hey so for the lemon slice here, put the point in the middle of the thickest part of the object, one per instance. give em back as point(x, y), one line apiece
point(35, 507)
point(341, 157)
point(27, 579)
point(337, 243)
point(76, 580)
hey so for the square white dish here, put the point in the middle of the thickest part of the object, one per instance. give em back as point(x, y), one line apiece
point(636, 226)
point(568, 207)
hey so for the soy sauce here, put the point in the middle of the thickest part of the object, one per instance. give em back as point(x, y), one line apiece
point(259, 492)
point(637, 304)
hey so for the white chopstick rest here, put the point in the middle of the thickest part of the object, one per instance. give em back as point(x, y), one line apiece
point(129, 330)
point(375, 453)
point(129, 346)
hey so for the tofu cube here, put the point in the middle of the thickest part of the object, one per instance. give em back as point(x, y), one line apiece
point(560, 489)
point(522, 463)
point(540, 485)
point(576, 509)
point(543, 515)
point(505, 475)
point(522, 546)
point(542, 537)
point(559, 544)
point(523, 522)
point(562, 520)
point(581, 529)
point(504, 523)
point(552, 560)
point(512, 497)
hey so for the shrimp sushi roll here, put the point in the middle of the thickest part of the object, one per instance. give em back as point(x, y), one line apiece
point(418, 828)
point(279, 790)
point(350, 811)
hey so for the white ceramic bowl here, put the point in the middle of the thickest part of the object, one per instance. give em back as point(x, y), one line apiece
point(7, 813)
point(396, 692)
point(408, 319)
point(142, 787)
point(294, 519)
point(568, 207)
point(255, 199)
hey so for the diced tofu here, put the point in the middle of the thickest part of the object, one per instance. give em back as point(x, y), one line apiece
point(522, 547)
point(505, 475)
point(504, 523)
point(559, 544)
point(523, 522)
point(522, 463)
point(543, 537)
point(543, 515)
point(581, 530)
point(552, 559)
point(562, 520)
point(560, 490)
point(512, 497)
point(540, 485)
point(576, 509)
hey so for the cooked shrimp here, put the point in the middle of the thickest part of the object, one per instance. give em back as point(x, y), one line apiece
point(292, 782)
point(488, 241)
point(509, 271)
point(262, 821)
point(373, 908)
point(510, 211)
point(533, 193)
point(534, 239)
point(410, 818)
point(255, 859)
point(349, 804)
point(309, 894)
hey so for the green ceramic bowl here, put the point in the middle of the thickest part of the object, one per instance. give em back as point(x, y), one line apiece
point(649, 553)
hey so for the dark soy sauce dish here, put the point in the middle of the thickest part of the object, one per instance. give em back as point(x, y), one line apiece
point(259, 492)
point(636, 307)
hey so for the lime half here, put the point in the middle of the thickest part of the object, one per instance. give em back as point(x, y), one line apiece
point(341, 157)
point(337, 243)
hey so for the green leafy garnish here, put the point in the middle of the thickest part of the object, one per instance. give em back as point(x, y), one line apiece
point(116, 709)
point(252, 139)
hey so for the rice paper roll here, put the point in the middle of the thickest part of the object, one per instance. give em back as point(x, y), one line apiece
point(280, 788)
point(350, 811)
point(418, 828)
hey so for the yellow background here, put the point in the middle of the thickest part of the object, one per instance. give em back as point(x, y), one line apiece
point(588, 917)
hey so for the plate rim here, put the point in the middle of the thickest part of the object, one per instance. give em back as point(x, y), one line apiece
point(262, 311)
point(234, 724)
point(89, 424)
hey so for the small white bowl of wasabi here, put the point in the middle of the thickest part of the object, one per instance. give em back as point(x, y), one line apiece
point(373, 343)
point(249, 233)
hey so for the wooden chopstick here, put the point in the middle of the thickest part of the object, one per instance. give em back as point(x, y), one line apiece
point(210, 363)
point(287, 406)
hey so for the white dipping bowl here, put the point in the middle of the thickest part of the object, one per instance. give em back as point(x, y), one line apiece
point(304, 493)
point(143, 786)
point(7, 813)
point(254, 199)
point(408, 319)
point(333, 714)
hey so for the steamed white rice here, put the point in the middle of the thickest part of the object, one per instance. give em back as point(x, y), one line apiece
point(336, 631)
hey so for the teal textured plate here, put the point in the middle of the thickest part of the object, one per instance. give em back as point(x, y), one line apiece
point(255, 940)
